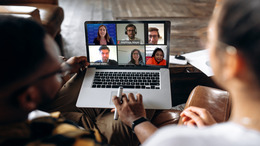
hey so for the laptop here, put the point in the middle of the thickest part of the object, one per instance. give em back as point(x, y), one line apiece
point(129, 54)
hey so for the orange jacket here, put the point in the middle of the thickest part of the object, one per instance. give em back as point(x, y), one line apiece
point(152, 61)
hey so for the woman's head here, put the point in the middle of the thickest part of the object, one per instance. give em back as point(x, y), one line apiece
point(136, 55)
point(235, 29)
point(158, 54)
point(102, 32)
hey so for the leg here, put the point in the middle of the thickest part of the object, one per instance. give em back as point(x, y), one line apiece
point(116, 132)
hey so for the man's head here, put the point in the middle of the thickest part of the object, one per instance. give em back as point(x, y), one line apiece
point(28, 55)
point(104, 51)
point(153, 34)
point(130, 30)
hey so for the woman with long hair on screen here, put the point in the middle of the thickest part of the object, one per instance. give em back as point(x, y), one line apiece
point(103, 37)
point(157, 58)
point(136, 58)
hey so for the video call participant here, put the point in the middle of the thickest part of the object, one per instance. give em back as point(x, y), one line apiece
point(131, 31)
point(136, 58)
point(157, 58)
point(153, 35)
point(103, 37)
point(104, 51)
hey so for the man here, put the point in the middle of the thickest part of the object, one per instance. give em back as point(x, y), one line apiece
point(32, 79)
point(104, 51)
point(153, 35)
point(233, 43)
point(131, 31)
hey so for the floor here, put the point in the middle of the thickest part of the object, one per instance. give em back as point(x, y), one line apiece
point(187, 18)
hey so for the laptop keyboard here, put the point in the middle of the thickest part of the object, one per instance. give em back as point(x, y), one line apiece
point(133, 80)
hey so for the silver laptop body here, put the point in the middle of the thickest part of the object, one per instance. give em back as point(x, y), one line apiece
point(102, 79)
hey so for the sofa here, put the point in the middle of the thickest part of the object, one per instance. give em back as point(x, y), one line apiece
point(46, 12)
point(216, 101)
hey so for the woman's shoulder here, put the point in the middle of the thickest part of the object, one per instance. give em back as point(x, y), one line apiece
point(96, 41)
point(111, 42)
point(130, 63)
point(150, 60)
point(164, 62)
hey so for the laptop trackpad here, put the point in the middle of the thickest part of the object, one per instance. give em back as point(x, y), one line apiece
point(114, 93)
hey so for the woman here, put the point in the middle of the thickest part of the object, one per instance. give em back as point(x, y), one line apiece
point(103, 37)
point(234, 44)
point(136, 58)
point(157, 58)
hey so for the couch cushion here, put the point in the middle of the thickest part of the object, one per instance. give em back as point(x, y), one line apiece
point(15, 2)
point(21, 11)
point(166, 117)
point(51, 17)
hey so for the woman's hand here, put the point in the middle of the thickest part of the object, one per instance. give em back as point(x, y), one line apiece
point(195, 116)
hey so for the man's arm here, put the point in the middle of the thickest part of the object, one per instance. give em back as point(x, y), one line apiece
point(144, 130)
point(132, 109)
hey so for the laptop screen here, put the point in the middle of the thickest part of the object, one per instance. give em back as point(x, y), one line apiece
point(128, 44)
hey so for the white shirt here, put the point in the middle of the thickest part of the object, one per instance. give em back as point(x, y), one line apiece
point(135, 39)
point(226, 134)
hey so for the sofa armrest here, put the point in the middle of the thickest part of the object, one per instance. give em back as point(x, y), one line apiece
point(216, 101)
point(166, 117)
point(14, 2)
point(23, 11)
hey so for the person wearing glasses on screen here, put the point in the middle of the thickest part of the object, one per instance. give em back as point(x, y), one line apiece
point(136, 58)
point(154, 36)
point(131, 31)
point(157, 58)
point(103, 37)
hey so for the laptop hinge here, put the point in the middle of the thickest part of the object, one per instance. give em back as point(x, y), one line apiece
point(164, 69)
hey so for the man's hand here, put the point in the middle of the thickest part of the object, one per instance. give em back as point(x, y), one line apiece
point(130, 109)
point(77, 63)
point(194, 116)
